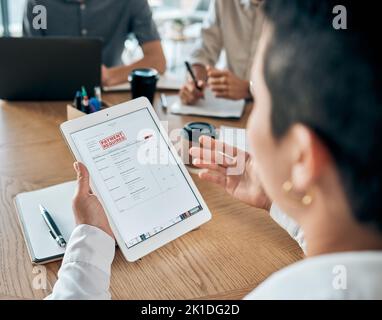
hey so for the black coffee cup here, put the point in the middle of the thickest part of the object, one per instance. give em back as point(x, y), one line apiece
point(190, 135)
point(144, 83)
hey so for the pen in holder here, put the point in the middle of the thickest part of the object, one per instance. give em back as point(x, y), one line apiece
point(82, 105)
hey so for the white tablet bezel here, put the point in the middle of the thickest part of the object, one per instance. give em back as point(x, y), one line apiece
point(145, 247)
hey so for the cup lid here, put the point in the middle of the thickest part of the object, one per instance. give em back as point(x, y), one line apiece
point(147, 73)
point(194, 130)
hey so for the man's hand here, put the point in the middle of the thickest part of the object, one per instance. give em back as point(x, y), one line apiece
point(244, 186)
point(86, 206)
point(189, 94)
point(226, 85)
point(153, 57)
point(113, 76)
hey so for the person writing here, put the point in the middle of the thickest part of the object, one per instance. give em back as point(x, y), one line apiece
point(314, 159)
point(233, 27)
point(110, 20)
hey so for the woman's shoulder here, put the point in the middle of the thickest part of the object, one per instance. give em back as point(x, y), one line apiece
point(348, 275)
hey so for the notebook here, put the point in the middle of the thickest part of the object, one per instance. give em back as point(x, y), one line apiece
point(166, 82)
point(57, 200)
point(211, 106)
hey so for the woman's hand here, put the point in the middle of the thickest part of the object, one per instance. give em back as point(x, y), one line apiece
point(232, 169)
point(86, 206)
point(189, 94)
point(224, 84)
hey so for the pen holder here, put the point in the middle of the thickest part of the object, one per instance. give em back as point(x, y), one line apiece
point(73, 113)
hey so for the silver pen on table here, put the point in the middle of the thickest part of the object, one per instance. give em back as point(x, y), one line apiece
point(163, 100)
point(53, 229)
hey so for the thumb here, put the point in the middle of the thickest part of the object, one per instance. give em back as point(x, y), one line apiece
point(83, 187)
point(201, 84)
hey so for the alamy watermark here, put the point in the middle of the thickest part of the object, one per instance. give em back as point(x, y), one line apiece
point(149, 148)
point(40, 17)
point(340, 277)
point(39, 281)
point(340, 21)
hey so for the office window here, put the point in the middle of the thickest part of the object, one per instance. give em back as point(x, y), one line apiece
point(1, 21)
point(3, 17)
point(178, 21)
point(16, 10)
point(11, 15)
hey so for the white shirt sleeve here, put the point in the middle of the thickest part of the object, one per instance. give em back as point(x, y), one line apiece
point(85, 270)
point(289, 225)
point(209, 46)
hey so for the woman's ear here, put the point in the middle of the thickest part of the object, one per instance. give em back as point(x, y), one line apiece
point(310, 157)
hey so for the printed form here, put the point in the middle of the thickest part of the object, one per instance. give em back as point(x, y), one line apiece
point(142, 186)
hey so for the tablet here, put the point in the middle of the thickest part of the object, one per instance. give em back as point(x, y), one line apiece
point(147, 193)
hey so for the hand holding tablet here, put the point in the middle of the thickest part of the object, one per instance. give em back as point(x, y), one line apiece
point(147, 193)
point(86, 206)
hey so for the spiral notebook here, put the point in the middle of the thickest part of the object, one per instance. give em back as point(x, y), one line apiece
point(57, 200)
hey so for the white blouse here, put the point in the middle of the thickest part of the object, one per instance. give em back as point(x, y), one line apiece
point(85, 270)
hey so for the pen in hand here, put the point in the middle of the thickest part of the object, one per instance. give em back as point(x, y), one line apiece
point(192, 74)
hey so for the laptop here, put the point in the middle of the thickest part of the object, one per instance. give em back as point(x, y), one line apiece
point(48, 68)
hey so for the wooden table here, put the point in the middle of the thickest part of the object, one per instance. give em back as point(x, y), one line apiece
point(224, 259)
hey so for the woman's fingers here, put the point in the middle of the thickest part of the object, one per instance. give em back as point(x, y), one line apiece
point(222, 94)
point(219, 87)
point(210, 166)
point(216, 73)
point(83, 186)
point(213, 177)
point(222, 81)
point(220, 90)
point(189, 94)
point(208, 156)
point(212, 144)
point(201, 84)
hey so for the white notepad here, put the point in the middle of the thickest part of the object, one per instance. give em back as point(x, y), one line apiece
point(166, 82)
point(210, 106)
point(58, 201)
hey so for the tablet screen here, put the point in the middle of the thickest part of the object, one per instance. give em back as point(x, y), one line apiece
point(134, 170)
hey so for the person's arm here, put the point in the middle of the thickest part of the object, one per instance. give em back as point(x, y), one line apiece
point(210, 44)
point(85, 270)
point(28, 30)
point(205, 53)
point(153, 57)
point(145, 30)
point(237, 175)
point(223, 83)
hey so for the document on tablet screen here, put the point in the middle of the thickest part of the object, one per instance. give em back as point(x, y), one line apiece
point(141, 184)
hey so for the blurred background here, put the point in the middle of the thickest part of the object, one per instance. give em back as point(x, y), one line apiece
point(179, 23)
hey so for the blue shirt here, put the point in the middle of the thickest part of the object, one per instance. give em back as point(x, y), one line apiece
point(110, 20)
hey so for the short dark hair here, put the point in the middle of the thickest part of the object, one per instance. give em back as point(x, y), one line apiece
point(331, 81)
